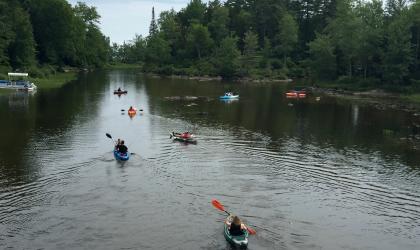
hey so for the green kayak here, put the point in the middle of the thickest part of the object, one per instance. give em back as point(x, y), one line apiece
point(237, 241)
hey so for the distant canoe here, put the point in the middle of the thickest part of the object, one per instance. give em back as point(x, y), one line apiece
point(116, 92)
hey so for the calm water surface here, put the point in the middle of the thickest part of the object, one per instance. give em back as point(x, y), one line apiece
point(332, 174)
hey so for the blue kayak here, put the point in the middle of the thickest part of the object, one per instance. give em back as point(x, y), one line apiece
point(229, 96)
point(121, 157)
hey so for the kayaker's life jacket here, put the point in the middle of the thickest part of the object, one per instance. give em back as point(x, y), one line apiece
point(236, 230)
point(122, 149)
point(186, 135)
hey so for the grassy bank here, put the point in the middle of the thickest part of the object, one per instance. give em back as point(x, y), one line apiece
point(54, 81)
point(414, 98)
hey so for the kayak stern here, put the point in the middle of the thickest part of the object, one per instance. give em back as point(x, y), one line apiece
point(120, 157)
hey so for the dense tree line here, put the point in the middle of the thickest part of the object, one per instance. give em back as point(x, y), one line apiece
point(44, 35)
point(346, 40)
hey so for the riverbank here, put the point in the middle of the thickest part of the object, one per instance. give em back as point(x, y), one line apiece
point(378, 98)
point(219, 78)
point(56, 80)
point(123, 66)
point(363, 89)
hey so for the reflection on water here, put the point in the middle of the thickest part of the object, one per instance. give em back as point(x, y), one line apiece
point(19, 99)
point(306, 174)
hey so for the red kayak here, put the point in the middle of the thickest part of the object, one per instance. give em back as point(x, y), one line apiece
point(183, 137)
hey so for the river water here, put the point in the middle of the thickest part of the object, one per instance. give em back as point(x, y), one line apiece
point(305, 174)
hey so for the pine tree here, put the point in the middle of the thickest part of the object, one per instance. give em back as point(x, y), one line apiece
point(153, 25)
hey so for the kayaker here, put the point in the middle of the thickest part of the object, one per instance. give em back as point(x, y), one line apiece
point(131, 109)
point(236, 227)
point(122, 149)
point(119, 90)
point(186, 135)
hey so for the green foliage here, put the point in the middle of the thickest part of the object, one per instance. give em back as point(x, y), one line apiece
point(348, 41)
point(53, 31)
point(50, 32)
point(371, 36)
point(193, 13)
point(6, 35)
point(170, 29)
point(398, 54)
point(89, 15)
point(415, 17)
point(287, 36)
point(227, 57)
point(342, 31)
point(22, 48)
point(199, 40)
point(218, 26)
point(322, 57)
point(251, 56)
point(158, 51)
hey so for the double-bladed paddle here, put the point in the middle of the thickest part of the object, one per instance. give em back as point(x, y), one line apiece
point(110, 137)
point(219, 206)
point(141, 110)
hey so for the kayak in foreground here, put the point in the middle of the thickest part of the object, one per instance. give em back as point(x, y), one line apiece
point(183, 137)
point(240, 241)
point(121, 157)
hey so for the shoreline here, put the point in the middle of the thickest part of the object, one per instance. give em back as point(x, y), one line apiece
point(380, 99)
point(218, 78)
point(55, 81)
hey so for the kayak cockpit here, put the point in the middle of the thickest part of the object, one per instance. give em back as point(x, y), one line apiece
point(236, 240)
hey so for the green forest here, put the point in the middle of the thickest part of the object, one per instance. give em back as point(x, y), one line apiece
point(347, 41)
point(45, 36)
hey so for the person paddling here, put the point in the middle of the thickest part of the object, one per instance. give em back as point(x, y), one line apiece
point(121, 148)
point(186, 135)
point(236, 228)
point(119, 90)
point(131, 109)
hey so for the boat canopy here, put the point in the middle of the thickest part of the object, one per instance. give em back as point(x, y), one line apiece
point(18, 74)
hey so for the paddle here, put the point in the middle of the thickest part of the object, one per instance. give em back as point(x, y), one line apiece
point(110, 137)
point(219, 206)
point(141, 110)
